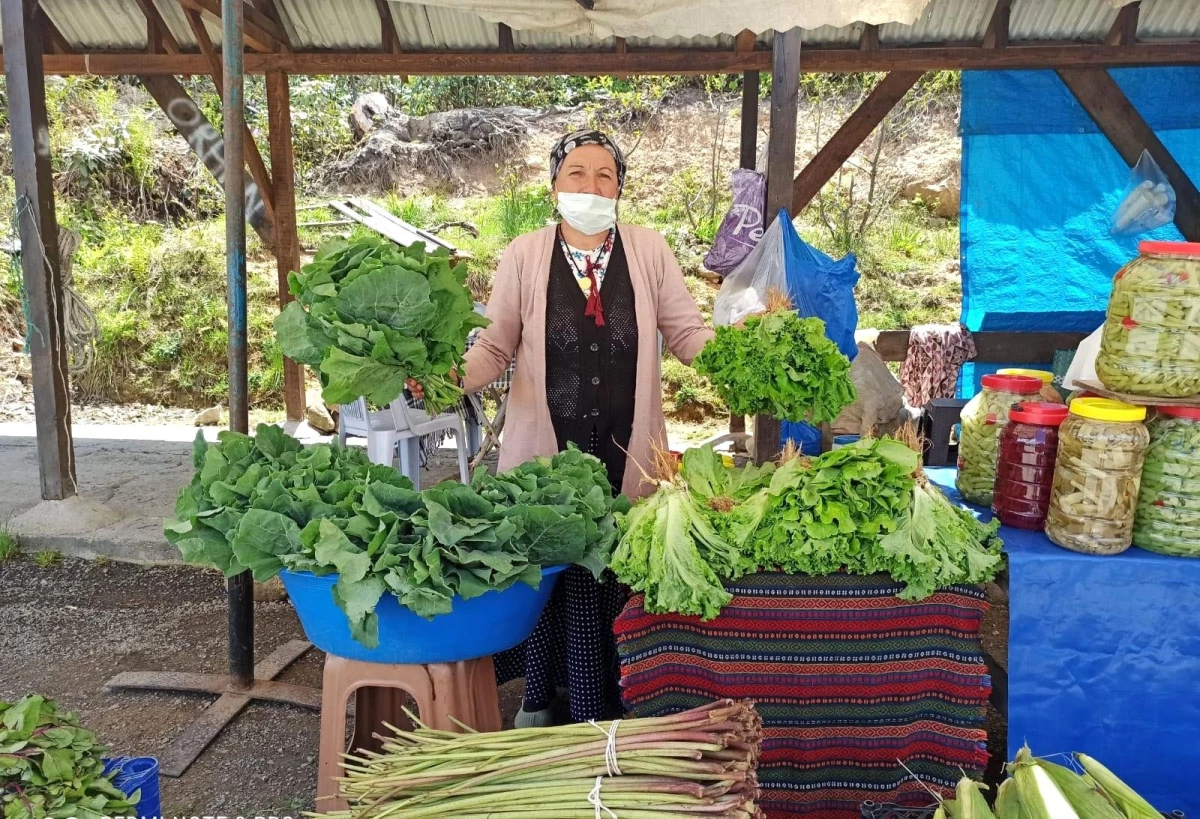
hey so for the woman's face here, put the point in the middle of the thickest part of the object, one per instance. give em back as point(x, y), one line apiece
point(588, 169)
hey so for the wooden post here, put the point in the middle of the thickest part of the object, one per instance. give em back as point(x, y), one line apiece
point(781, 163)
point(748, 159)
point(207, 143)
point(37, 227)
point(857, 127)
point(1130, 134)
point(287, 242)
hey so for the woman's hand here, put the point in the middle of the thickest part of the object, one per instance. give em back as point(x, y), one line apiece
point(418, 390)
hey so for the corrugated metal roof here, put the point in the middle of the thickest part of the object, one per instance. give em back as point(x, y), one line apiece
point(99, 25)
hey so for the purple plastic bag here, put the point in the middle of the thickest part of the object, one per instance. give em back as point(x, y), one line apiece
point(742, 227)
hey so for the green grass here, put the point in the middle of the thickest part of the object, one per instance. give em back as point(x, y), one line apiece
point(46, 558)
point(159, 297)
point(10, 547)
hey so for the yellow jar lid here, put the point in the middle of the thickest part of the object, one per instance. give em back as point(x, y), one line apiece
point(1105, 409)
point(1046, 377)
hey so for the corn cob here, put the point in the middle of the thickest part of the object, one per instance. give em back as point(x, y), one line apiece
point(1086, 800)
point(1040, 798)
point(971, 804)
point(1126, 798)
point(1008, 805)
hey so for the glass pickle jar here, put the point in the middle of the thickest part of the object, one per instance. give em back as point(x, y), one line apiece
point(1101, 449)
point(1025, 464)
point(1049, 393)
point(982, 419)
point(1168, 509)
point(1150, 344)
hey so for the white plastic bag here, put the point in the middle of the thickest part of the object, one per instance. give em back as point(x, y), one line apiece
point(1083, 365)
point(744, 291)
point(1149, 200)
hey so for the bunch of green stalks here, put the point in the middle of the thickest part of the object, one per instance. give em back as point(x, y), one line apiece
point(698, 764)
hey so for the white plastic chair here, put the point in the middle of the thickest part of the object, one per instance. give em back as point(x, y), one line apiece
point(399, 424)
point(408, 425)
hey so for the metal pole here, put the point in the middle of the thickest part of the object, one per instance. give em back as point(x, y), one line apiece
point(240, 587)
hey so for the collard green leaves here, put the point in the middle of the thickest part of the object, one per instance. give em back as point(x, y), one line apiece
point(781, 365)
point(267, 503)
point(371, 314)
point(857, 509)
point(51, 766)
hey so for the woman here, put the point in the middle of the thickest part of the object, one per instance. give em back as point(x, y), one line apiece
point(581, 305)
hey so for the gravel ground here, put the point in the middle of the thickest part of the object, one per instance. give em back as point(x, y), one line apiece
point(71, 627)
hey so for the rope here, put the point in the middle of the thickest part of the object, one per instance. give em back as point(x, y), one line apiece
point(610, 752)
point(80, 328)
point(594, 800)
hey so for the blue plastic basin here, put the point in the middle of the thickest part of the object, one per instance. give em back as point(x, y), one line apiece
point(494, 621)
point(134, 774)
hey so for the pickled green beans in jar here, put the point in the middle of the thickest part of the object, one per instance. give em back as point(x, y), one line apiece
point(1101, 450)
point(1151, 339)
point(1168, 509)
point(983, 419)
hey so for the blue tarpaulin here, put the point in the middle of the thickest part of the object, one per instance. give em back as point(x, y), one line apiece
point(1040, 183)
point(1104, 658)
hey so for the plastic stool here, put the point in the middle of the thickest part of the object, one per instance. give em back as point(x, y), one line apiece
point(464, 690)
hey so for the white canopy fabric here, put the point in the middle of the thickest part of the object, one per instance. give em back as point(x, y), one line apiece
point(681, 18)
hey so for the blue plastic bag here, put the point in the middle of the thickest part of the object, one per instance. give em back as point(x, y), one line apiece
point(823, 288)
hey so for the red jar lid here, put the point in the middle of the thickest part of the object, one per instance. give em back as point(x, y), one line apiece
point(1192, 413)
point(1042, 413)
point(1169, 248)
point(1023, 384)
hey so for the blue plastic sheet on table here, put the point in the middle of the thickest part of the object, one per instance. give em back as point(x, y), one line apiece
point(134, 774)
point(1104, 658)
point(820, 287)
point(1040, 183)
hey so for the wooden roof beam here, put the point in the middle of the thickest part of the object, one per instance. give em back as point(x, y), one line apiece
point(1124, 28)
point(869, 41)
point(649, 61)
point(51, 36)
point(158, 25)
point(842, 145)
point(258, 168)
point(996, 35)
point(589, 5)
point(387, 28)
point(1130, 134)
point(271, 10)
point(260, 32)
point(746, 42)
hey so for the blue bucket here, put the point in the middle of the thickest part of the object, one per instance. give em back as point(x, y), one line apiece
point(493, 621)
point(840, 441)
point(134, 773)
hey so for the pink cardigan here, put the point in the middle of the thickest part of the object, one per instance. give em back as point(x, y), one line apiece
point(518, 313)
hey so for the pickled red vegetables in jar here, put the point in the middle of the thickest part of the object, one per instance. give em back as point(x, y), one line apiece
point(1025, 464)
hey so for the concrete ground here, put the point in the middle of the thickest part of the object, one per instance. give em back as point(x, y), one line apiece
point(129, 477)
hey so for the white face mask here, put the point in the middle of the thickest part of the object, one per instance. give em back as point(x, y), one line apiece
point(587, 213)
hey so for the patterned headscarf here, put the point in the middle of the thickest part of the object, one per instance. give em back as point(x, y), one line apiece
point(572, 141)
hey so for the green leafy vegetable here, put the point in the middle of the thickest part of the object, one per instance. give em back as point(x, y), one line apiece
point(858, 509)
point(671, 552)
point(50, 766)
point(781, 365)
point(827, 514)
point(371, 314)
point(939, 544)
point(267, 503)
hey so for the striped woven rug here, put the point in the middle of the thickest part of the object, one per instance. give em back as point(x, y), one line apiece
point(850, 681)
